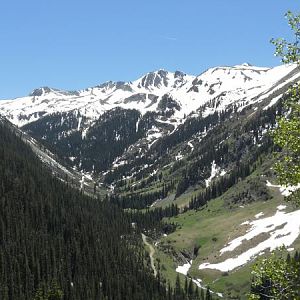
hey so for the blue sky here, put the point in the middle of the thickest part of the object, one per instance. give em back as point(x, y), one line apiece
point(80, 43)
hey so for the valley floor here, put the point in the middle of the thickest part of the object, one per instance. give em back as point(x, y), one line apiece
point(216, 246)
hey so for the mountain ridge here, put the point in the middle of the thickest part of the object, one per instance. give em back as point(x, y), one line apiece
point(157, 147)
point(105, 127)
point(187, 90)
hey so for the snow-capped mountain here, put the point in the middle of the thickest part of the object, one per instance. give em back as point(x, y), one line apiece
point(223, 86)
point(169, 139)
point(142, 94)
point(108, 125)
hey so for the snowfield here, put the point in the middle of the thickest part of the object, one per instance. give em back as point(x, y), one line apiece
point(282, 229)
point(214, 90)
point(184, 268)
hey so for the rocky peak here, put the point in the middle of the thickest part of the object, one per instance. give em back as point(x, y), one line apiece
point(40, 91)
point(154, 79)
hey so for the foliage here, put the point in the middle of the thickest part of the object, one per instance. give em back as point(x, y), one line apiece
point(287, 135)
point(49, 293)
point(289, 51)
point(276, 278)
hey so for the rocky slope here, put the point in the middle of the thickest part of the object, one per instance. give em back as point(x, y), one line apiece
point(120, 128)
point(215, 89)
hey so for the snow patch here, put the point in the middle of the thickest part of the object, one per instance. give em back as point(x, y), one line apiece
point(213, 173)
point(153, 136)
point(79, 123)
point(82, 182)
point(282, 228)
point(281, 207)
point(223, 172)
point(284, 190)
point(191, 146)
point(179, 156)
point(84, 132)
point(184, 268)
point(257, 216)
point(272, 102)
point(199, 284)
point(137, 125)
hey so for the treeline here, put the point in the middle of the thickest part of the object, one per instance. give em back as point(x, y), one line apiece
point(191, 291)
point(151, 220)
point(158, 152)
point(238, 152)
point(224, 183)
point(190, 127)
point(130, 185)
point(141, 200)
point(228, 137)
point(238, 144)
point(56, 243)
point(95, 149)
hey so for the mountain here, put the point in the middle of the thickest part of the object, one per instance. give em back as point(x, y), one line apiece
point(53, 163)
point(57, 243)
point(100, 129)
point(223, 86)
point(142, 94)
point(191, 150)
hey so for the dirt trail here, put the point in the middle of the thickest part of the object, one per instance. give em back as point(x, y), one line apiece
point(151, 254)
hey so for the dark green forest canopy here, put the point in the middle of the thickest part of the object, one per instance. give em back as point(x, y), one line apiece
point(54, 237)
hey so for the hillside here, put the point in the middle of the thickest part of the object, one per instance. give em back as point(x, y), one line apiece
point(193, 151)
point(116, 124)
point(57, 243)
point(217, 244)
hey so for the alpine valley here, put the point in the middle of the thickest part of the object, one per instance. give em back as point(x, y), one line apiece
point(191, 154)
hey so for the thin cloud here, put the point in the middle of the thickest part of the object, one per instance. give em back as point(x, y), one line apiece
point(169, 38)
